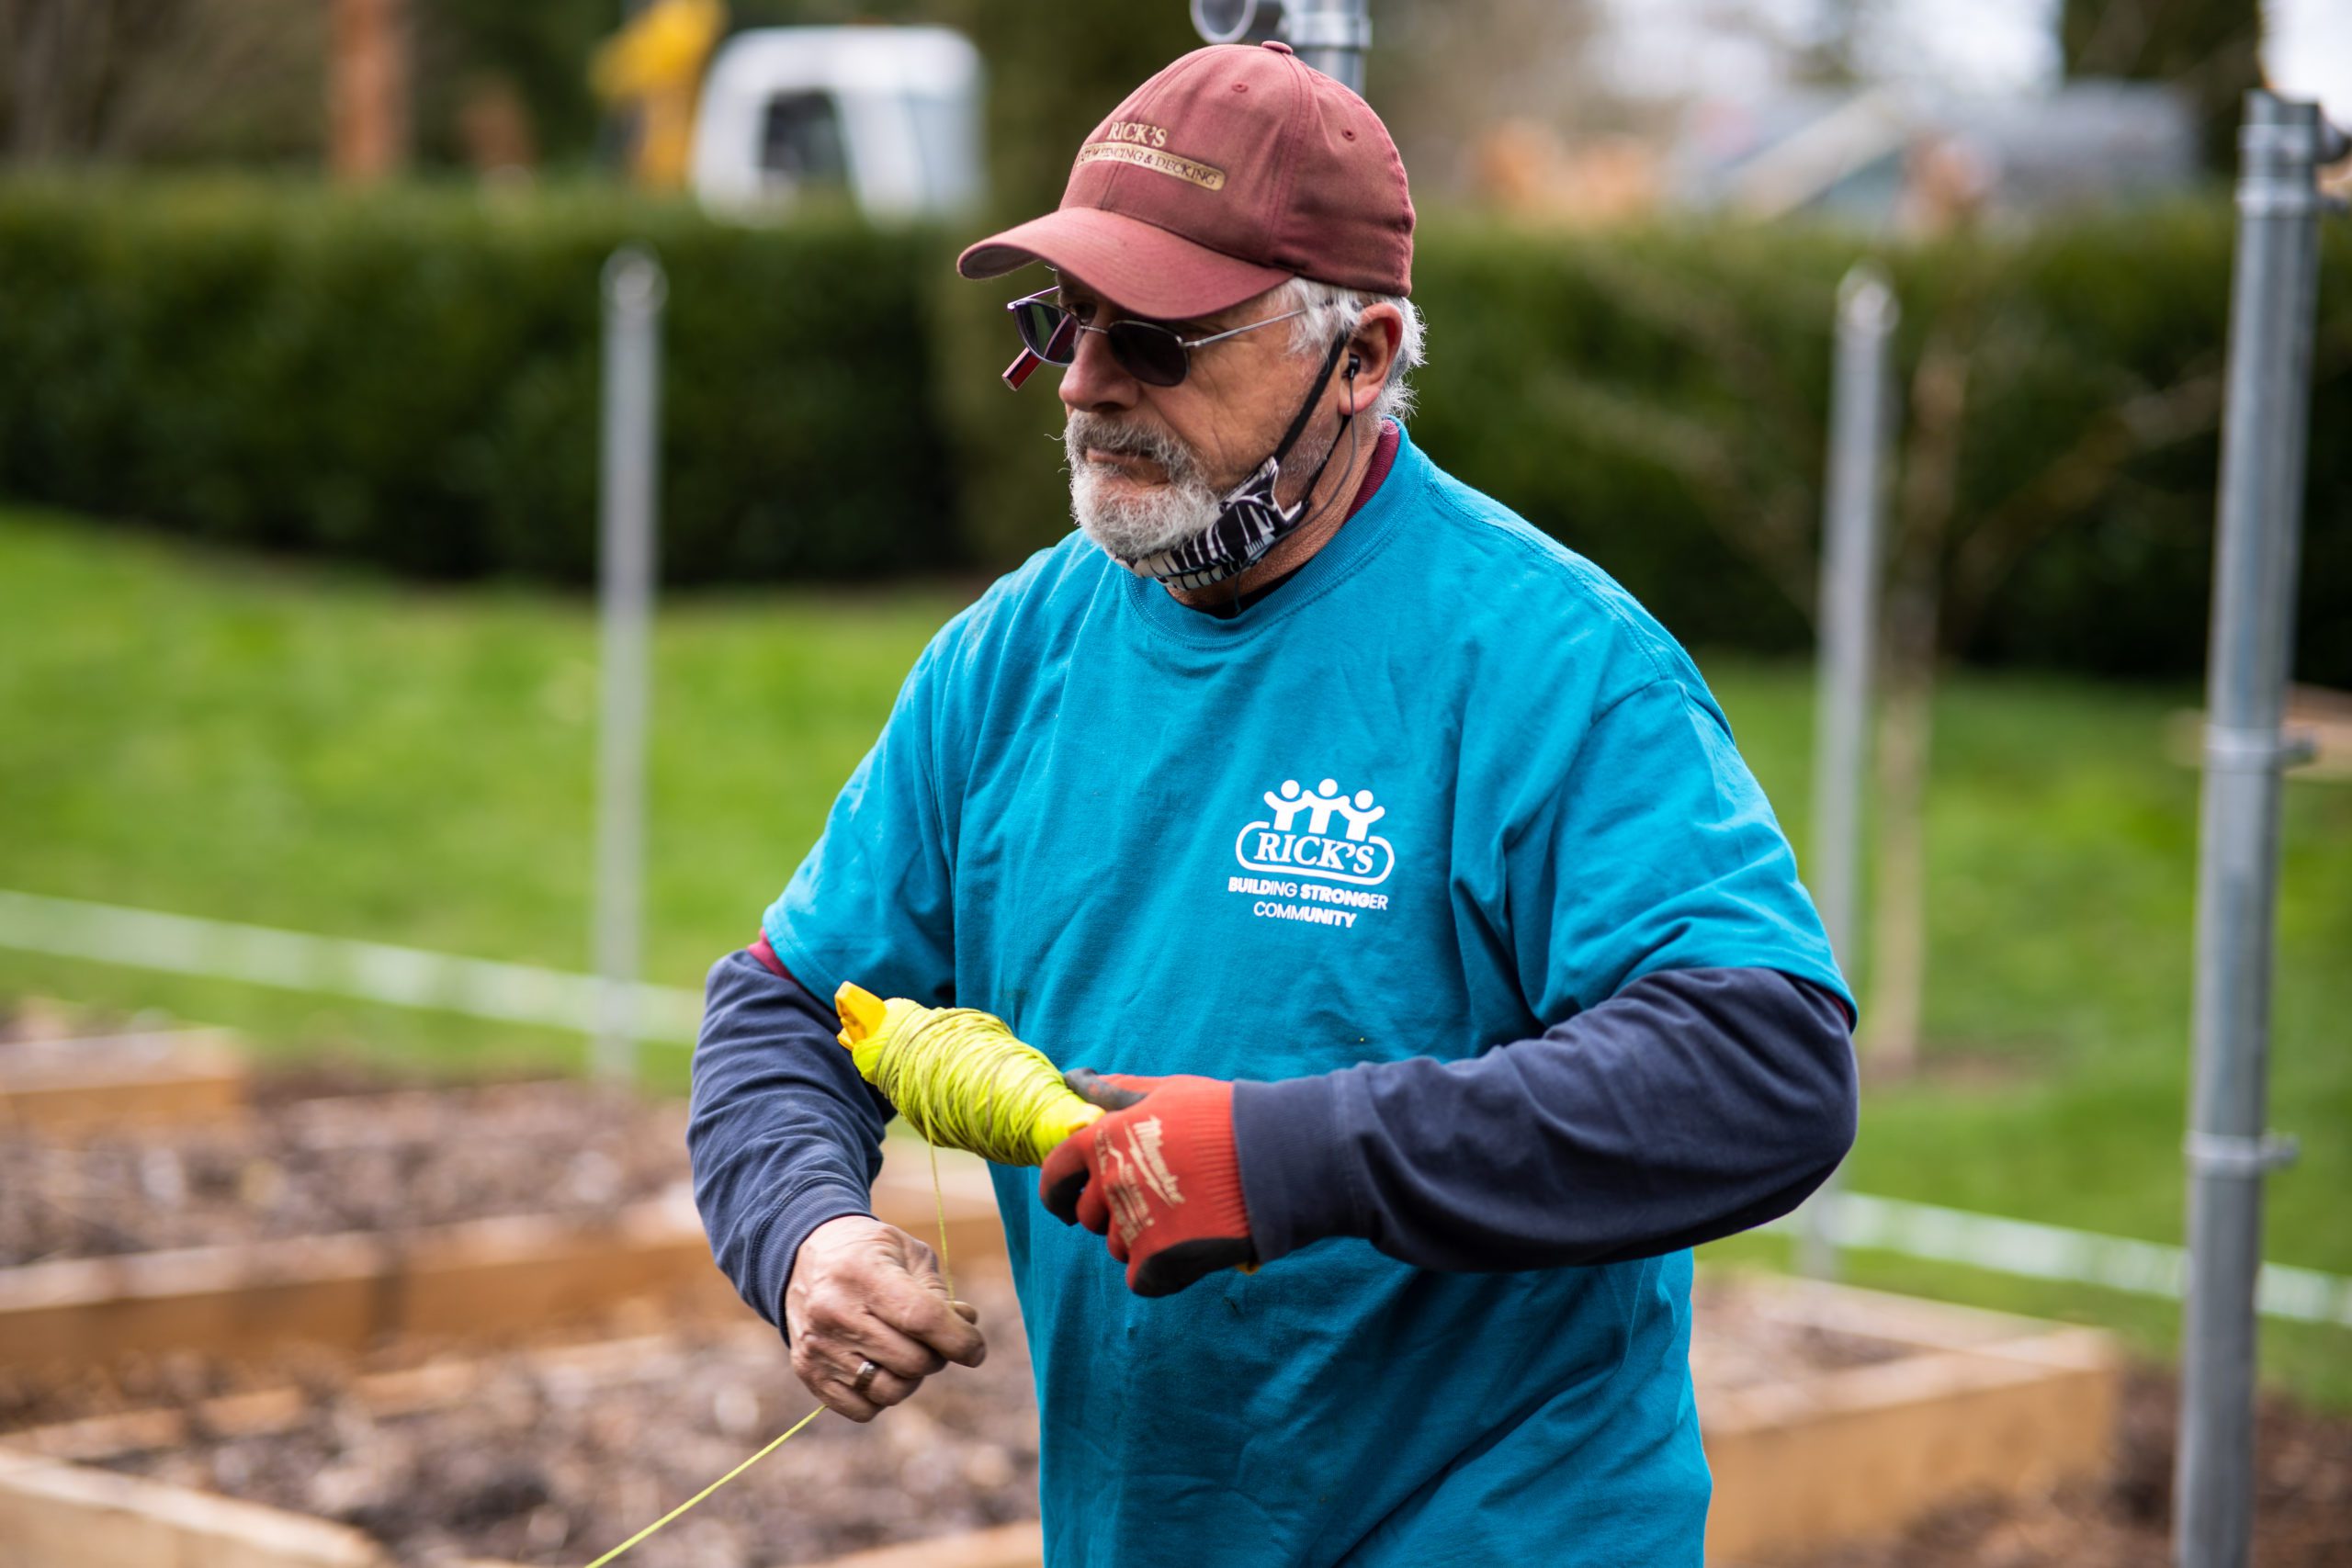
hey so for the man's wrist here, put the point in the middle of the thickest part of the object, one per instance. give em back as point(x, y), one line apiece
point(796, 1219)
point(1298, 1176)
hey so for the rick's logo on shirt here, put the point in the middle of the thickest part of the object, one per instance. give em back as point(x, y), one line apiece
point(1323, 837)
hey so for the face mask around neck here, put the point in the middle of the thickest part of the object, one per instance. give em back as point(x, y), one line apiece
point(1249, 521)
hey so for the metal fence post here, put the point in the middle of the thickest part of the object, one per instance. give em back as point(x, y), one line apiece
point(1848, 613)
point(2228, 1149)
point(634, 289)
point(1332, 36)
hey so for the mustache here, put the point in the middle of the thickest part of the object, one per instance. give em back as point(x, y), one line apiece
point(1116, 436)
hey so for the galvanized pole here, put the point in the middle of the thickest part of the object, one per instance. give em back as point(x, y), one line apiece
point(634, 290)
point(2228, 1148)
point(1332, 36)
point(1852, 519)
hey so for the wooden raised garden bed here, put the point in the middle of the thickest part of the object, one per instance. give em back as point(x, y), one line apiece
point(1831, 1415)
point(546, 1457)
point(1902, 1406)
point(337, 1222)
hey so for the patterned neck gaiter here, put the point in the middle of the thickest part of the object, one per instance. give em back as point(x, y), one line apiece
point(1249, 521)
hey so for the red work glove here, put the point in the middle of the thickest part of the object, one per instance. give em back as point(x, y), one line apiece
point(1158, 1175)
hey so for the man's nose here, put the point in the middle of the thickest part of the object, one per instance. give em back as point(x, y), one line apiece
point(1094, 382)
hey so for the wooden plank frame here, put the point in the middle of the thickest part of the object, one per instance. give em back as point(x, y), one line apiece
point(71, 1087)
point(1983, 1405)
point(346, 1292)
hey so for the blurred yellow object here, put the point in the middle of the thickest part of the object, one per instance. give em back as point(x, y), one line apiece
point(655, 65)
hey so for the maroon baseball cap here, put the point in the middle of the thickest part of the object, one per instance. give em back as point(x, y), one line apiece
point(1233, 170)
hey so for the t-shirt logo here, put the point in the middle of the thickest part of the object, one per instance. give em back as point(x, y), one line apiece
point(1317, 849)
point(1328, 850)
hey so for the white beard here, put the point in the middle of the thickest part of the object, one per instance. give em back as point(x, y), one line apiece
point(1124, 524)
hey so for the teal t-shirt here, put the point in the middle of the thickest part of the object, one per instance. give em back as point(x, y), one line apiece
point(1449, 786)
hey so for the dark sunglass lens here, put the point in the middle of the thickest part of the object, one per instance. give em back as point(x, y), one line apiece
point(1046, 331)
point(1152, 354)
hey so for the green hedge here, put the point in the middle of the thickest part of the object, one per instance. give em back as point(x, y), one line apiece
point(1661, 401)
point(412, 379)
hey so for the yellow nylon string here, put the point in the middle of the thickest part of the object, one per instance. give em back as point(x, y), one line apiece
point(961, 1079)
point(706, 1491)
point(939, 1201)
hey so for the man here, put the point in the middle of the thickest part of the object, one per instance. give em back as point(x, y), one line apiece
point(1406, 856)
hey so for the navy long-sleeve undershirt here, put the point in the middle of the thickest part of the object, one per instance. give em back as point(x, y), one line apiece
point(782, 1133)
point(1691, 1105)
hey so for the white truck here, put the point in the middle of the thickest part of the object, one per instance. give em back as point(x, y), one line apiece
point(888, 117)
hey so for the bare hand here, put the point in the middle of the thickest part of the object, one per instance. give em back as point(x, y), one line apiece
point(866, 1292)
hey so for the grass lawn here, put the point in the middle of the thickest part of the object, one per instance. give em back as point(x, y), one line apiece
point(293, 747)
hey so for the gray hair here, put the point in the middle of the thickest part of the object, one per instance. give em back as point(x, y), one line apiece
point(1331, 311)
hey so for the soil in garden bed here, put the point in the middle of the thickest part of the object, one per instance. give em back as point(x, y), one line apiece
point(51, 1395)
point(1737, 1342)
point(547, 1464)
point(304, 1166)
point(2303, 1501)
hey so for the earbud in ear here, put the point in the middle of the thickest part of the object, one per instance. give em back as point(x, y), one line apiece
point(1354, 364)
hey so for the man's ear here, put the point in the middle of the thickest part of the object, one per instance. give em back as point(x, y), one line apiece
point(1371, 353)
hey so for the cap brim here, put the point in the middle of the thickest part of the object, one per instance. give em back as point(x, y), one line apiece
point(1139, 266)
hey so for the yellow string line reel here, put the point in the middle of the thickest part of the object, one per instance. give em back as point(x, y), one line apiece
point(961, 1077)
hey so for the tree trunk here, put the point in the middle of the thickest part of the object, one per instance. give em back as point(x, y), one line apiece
point(368, 90)
point(1899, 944)
point(1893, 1022)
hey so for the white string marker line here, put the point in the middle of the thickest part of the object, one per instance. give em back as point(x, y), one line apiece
point(296, 960)
point(520, 993)
point(2035, 1251)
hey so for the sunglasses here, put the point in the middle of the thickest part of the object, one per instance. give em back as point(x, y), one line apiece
point(1152, 353)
